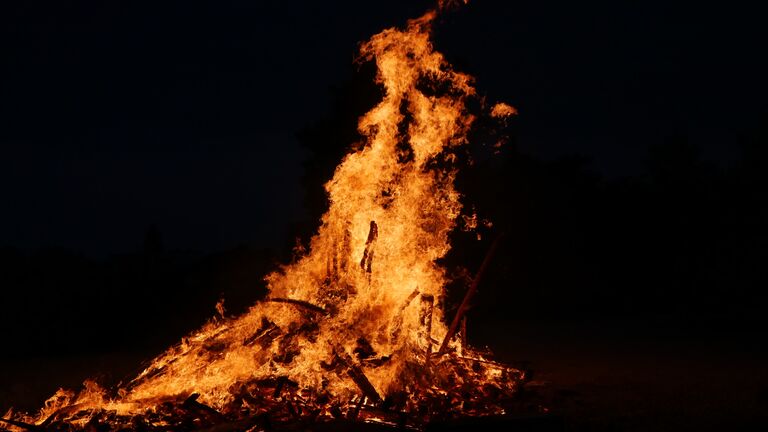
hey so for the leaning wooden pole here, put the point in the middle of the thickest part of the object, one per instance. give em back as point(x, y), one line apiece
point(470, 293)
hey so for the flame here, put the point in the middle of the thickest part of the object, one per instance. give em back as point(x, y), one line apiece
point(502, 110)
point(391, 210)
point(363, 305)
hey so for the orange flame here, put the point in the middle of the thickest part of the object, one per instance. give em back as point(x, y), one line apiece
point(369, 281)
point(390, 215)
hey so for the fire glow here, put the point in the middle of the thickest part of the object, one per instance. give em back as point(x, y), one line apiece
point(353, 328)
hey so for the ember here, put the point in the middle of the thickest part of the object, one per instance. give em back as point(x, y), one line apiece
point(353, 330)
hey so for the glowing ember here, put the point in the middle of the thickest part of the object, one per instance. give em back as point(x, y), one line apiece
point(351, 329)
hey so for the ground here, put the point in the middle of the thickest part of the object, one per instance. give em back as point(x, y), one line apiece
point(645, 375)
point(640, 375)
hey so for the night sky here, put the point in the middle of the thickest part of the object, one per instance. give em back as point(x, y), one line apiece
point(119, 115)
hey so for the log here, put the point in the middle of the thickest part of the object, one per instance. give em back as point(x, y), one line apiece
point(282, 381)
point(408, 301)
point(21, 424)
point(362, 382)
point(463, 331)
point(373, 233)
point(301, 303)
point(397, 321)
point(470, 293)
point(191, 404)
point(425, 321)
point(265, 335)
point(359, 378)
point(346, 247)
point(335, 260)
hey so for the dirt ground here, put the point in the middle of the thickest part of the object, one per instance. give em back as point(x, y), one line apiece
point(644, 376)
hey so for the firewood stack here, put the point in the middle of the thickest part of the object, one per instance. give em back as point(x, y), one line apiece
point(439, 387)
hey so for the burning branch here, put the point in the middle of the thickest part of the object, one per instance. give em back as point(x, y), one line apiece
point(470, 293)
point(373, 233)
point(425, 322)
point(301, 303)
point(397, 322)
point(264, 335)
point(22, 425)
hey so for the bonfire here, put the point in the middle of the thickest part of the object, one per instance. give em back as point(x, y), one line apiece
point(353, 329)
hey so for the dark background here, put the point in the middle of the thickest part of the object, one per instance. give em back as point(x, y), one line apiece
point(158, 156)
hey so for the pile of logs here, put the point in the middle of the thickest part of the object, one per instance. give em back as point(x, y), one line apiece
point(278, 404)
point(444, 384)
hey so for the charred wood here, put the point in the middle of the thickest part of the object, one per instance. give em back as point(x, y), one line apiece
point(397, 321)
point(191, 404)
point(264, 335)
point(373, 233)
point(425, 321)
point(301, 303)
point(362, 382)
point(346, 247)
point(358, 377)
point(363, 350)
point(20, 424)
point(376, 361)
point(470, 293)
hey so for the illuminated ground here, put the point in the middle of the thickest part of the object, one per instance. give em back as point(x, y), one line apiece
point(614, 376)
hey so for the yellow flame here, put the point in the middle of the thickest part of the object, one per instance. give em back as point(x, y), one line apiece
point(370, 273)
point(392, 183)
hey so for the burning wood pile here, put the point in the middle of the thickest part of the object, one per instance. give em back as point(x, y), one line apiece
point(438, 387)
point(353, 330)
